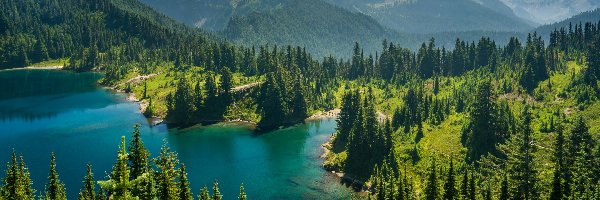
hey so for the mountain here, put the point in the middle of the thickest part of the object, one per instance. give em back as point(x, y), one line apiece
point(211, 14)
point(589, 16)
point(322, 28)
point(429, 16)
point(550, 11)
point(37, 30)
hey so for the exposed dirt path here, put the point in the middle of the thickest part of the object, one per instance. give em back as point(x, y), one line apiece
point(135, 80)
point(245, 87)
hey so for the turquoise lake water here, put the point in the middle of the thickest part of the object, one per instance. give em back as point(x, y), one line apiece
point(43, 111)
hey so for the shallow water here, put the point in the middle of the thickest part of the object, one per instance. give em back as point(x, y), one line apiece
point(82, 123)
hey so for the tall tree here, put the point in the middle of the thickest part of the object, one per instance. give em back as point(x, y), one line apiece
point(450, 192)
point(243, 195)
point(166, 163)
point(431, 188)
point(185, 192)
point(55, 189)
point(520, 150)
point(216, 193)
point(479, 135)
point(88, 191)
point(557, 180)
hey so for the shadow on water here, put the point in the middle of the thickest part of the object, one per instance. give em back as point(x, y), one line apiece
point(38, 94)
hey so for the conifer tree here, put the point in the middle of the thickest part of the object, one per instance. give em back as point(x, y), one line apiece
point(88, 191)
point(472, 188)
point(55, 189)
point(204, 195)
point(520, 162)
point(140, 167)
point(138, 154)
point(184, 185)
point(464, 186)
point(17, 183)
point(504, 195)
point(557, 180)
point(431, 188)
point(450, 192)
point(216, 193)
point(166, 163)
point(243, 195)
point(119, 186)
point(479, 135)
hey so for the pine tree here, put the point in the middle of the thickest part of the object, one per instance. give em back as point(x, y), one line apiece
point(479, 135)
point(140, 167)
point(577, 178)
point(431, 188)
point(299, 103)
point(55, 189)
point(88, 191)
point(17, 183)
point(184, 185)
point(472, 191)
point(450, 192)
point(243, 195)
point(557, 180)
point(166, 163)
point(216, 193)
point(520, 162)
point(464, 186)
point(10, 187)
point(119, 185)
point(138, 154)
point(504, 195)
point(204, 195)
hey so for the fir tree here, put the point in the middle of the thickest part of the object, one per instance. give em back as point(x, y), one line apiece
point(520, 162)
point(431, 188)
point(138, 154)
point(55, 189)
point(243, 195)
point(88, 191)
point(166, 163)
point(204, 195)
point(557, 180)
point(184, 185)
point(450, 192)
point(216, 193)
point(479, 135)
point(504, 195)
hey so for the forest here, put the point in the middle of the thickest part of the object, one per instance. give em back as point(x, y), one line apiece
point(133, 176)
point(475, 121)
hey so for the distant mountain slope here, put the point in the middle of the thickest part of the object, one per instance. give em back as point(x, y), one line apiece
point(589, 16)
point(429, 16)
point(322, 28)
point(37, 30)
point(550, 11)
point(210, 14)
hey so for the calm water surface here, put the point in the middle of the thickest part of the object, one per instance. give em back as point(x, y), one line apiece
point(43, 111)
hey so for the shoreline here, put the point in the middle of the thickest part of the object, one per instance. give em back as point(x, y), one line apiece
point(57, 67)
point(358, 185)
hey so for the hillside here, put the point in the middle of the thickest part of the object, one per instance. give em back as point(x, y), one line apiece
point(320, 27)
point(428, 16)
point(588, 16)
point(42, 30)
point(550, 11)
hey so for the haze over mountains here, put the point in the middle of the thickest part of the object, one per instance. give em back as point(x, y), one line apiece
point(550, 11)
point(329, 26)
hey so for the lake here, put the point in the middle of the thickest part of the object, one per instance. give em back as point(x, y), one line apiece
point(43, 111)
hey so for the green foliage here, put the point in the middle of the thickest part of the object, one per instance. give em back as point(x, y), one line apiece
point(55, 189)
point(17, 183)
point(88, 191)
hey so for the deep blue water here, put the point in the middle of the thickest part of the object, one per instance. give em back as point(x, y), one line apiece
point(43, 111)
